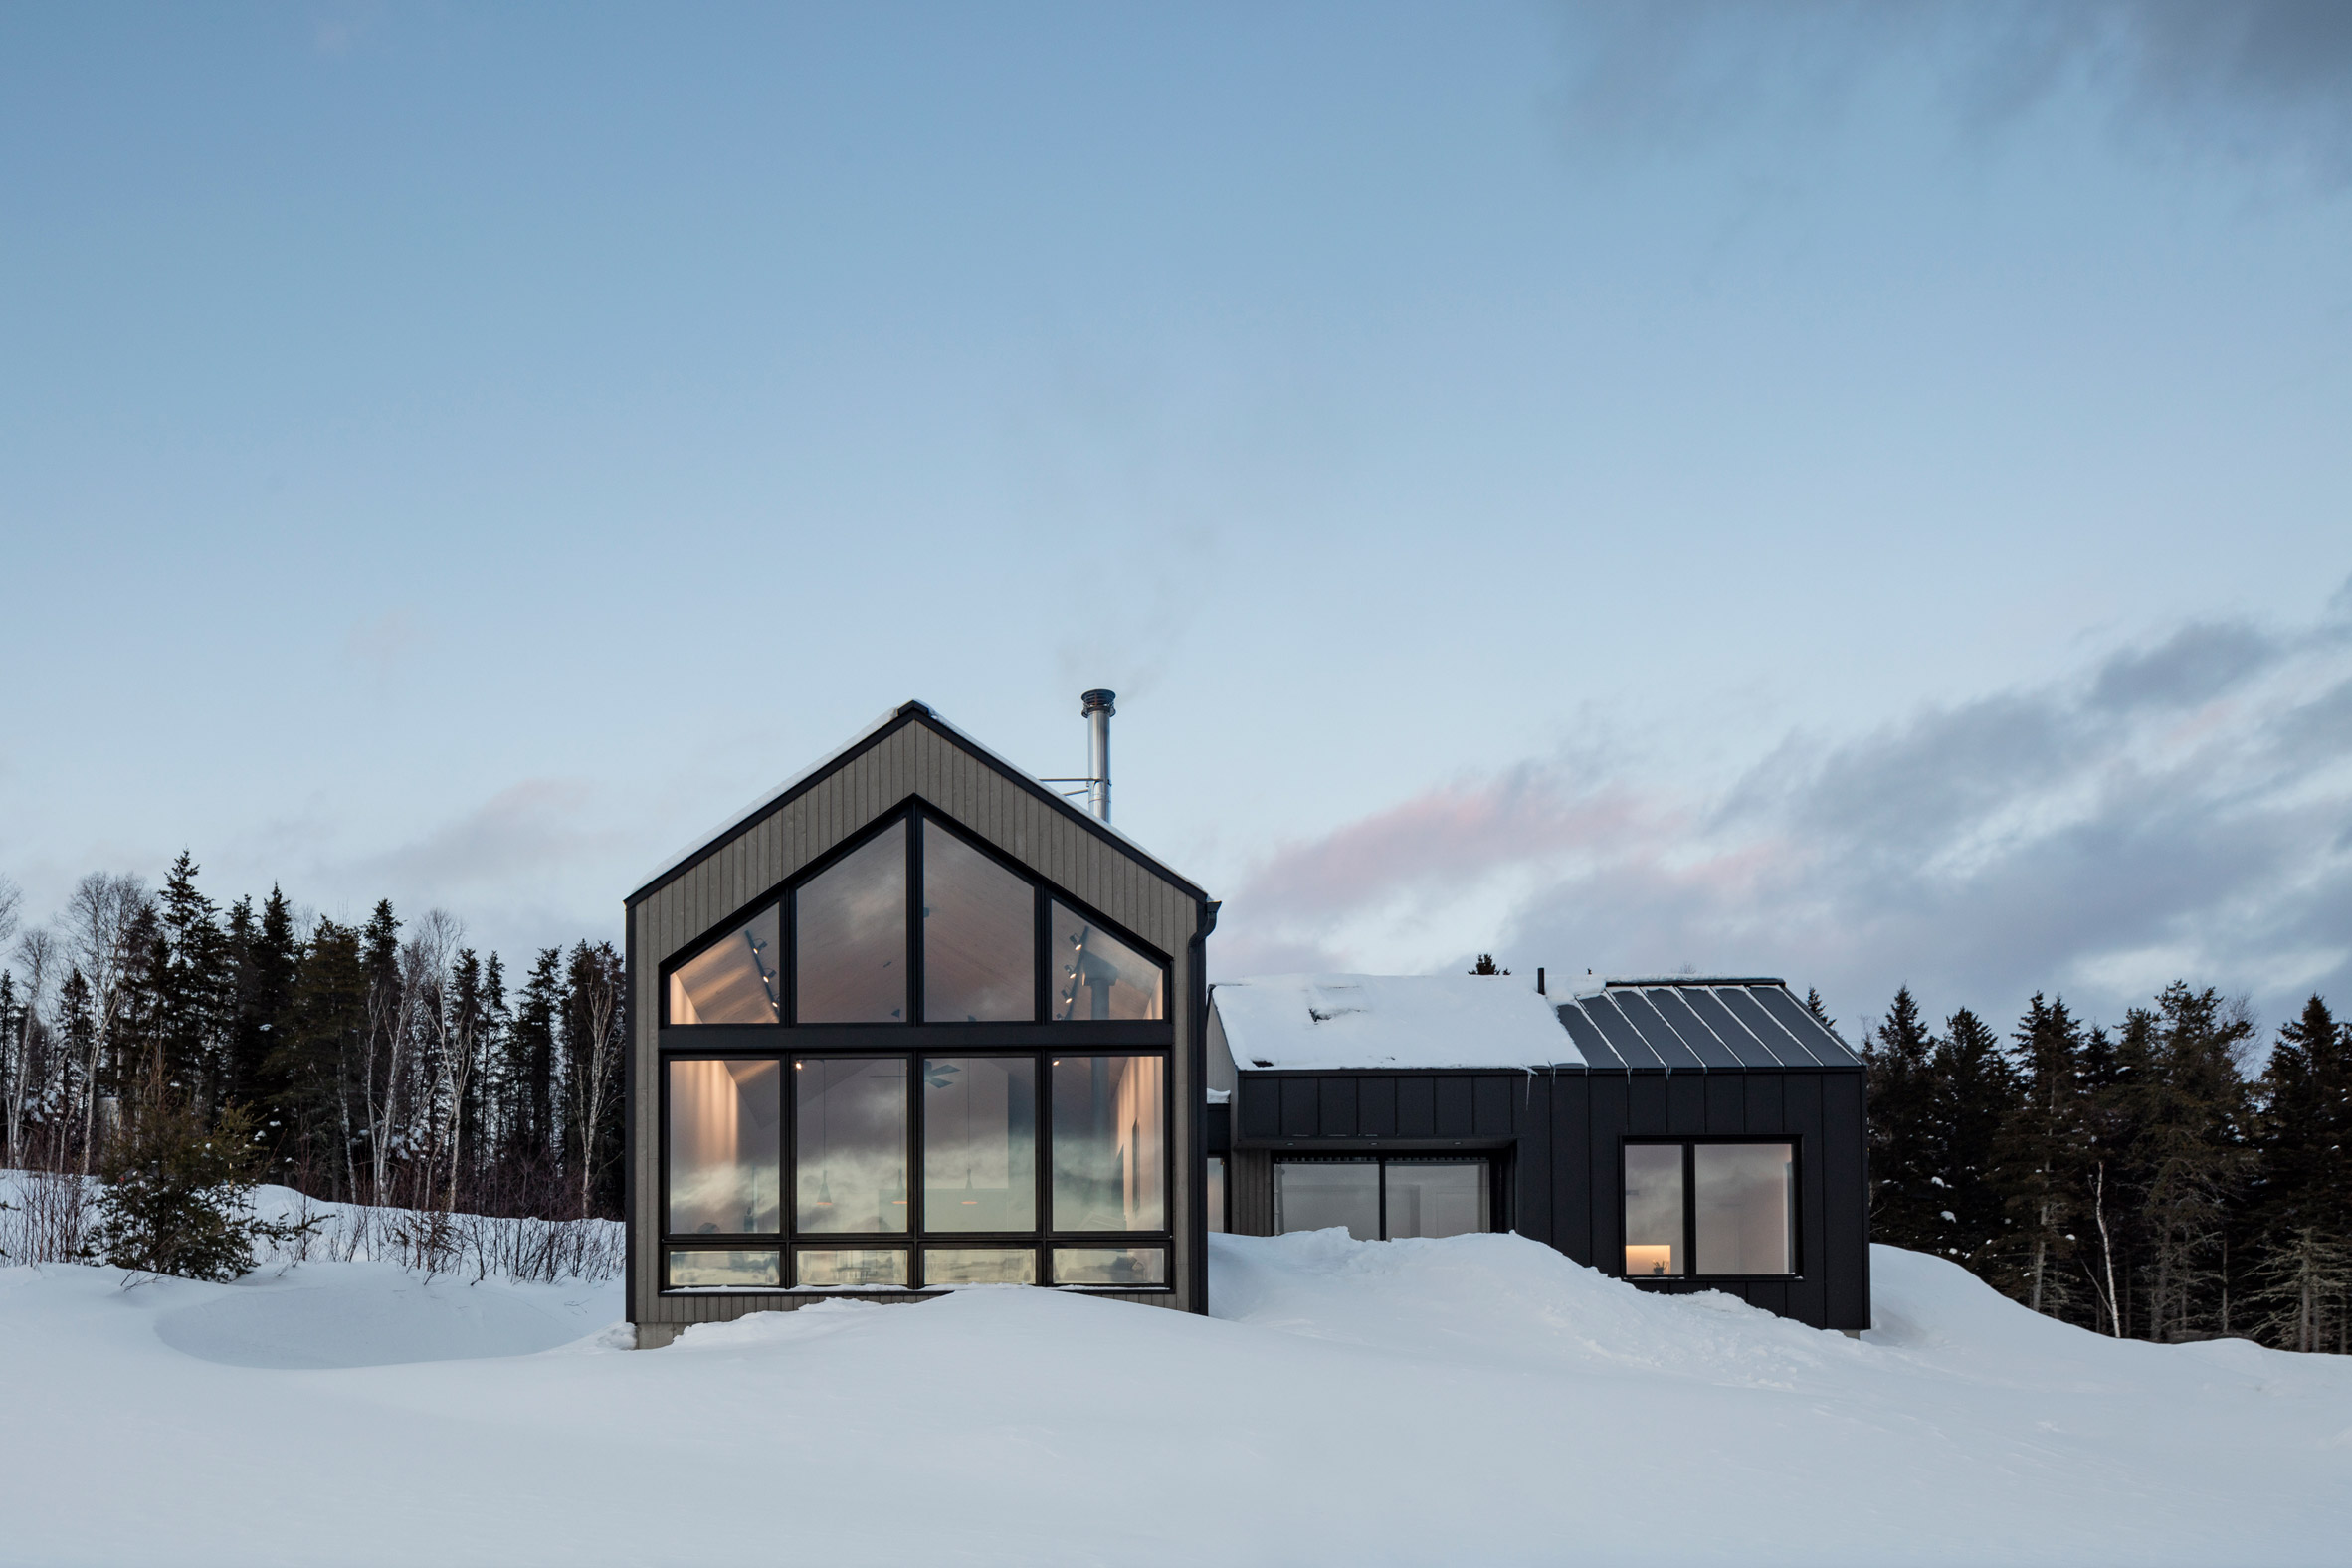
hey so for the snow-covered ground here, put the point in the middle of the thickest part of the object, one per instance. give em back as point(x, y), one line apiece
point(1476, 1400)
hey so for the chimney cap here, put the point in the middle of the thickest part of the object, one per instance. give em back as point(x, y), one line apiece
point(1089, 701)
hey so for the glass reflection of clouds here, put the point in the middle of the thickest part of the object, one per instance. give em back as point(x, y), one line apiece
point(1097, 977)
point(979, 1143)
point(850, 1129)
point(725, 1147)
point(1110, 1143)
point(850, 937)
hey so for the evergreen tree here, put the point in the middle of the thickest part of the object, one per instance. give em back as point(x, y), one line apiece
point(179, 1195)
point(264, 956)
point(2303, 1209)
point(2042, 1150)
point(314, 1060)
point(1820, 1010)
point(1906, 1157)
point(1971, 1090)
point(2190, 1107)
point(196, 991)
point(529, 1075)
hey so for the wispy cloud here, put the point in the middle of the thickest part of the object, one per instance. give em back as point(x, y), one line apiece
point(2259, 81)
point(2181, 808)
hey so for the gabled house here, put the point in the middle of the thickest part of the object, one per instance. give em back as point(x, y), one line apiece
point(911, 1023)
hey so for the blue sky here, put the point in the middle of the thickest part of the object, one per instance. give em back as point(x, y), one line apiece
point(1857, 492)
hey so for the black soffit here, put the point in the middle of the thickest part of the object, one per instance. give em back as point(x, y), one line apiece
point(1686, 1023)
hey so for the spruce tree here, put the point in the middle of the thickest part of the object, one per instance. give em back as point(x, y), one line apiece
point(531, 1063)
point(2190, 1109)
point(1906, 1157)
point(2043, 1147)
point(315, 1055)
point(2303, 1209)
point(1971, 1091)
point(197, 991)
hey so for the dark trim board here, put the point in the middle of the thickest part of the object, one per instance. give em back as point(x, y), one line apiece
point(1557, 1135)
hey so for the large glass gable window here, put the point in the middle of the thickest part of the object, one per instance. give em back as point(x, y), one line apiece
point(735, 980)
point(1097, 976)
point(1713, 1209)
point(1035, 1167)
point(844, 939)
point(1385, 1197)
point(848, 926)
point(979, 937)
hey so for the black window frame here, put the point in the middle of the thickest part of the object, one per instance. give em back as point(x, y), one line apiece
point(1492, 1159)
point(1688, 1143)
point(788, 1240)
point(918, 814)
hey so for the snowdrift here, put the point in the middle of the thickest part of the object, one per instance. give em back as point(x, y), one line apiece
point(1478, 1398)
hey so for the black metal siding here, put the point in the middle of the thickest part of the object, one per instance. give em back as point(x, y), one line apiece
point(1557, 1133)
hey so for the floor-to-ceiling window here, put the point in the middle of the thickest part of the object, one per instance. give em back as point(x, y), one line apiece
point(1031, 1155)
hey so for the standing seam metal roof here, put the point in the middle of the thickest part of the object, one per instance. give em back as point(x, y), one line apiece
point(1691, 1023)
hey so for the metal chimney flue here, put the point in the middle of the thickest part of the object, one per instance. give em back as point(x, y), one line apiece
point(1094, 707)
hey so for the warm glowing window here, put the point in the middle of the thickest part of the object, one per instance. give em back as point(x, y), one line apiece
point(949, 935)
point(1026, 1167)
point(735, 980)
point(1716, 1209)
point(1110, 1160)
point(725, 1148)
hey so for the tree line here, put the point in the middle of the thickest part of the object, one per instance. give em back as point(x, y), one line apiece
point(2145, 1181)
point(381, 1063)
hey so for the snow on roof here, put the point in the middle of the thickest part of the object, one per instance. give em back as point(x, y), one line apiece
point(1389, 1021)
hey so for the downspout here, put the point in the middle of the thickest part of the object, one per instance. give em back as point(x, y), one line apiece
point(1197, 1048)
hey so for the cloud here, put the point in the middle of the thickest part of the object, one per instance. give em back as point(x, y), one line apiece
point(2181, 808)
point(2259, 81)
point(528, 831)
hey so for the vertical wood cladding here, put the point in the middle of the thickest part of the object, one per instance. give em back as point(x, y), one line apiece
point(725, 880)
point(1558, 1133)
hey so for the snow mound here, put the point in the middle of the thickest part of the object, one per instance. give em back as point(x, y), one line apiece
point(358, 1314)
point(1472, 1400)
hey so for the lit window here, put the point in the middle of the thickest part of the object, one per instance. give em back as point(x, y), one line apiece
point(1217, 1221)
point(725, 1147)
point(1719, 1210)
point(733, 981)
point(1110, 1143)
